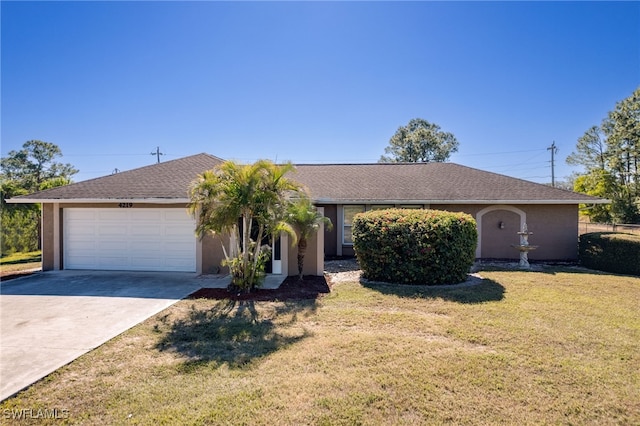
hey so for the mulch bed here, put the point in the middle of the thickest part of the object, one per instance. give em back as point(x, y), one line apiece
point(312, 287)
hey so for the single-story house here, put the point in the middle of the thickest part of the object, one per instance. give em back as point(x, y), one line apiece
point(137, 219)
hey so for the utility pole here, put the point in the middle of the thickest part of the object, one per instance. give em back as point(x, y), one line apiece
point(157, 153)
point(553, 150)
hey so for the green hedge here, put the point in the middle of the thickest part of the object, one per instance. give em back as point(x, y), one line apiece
point(415, 246)
point(611, 252)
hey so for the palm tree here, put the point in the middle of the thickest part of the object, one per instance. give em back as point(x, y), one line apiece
point(306, 220)
point(255, 192)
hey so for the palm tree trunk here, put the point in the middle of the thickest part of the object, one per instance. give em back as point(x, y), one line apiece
point(256, 256)
point(246, 239)
point(302, 250)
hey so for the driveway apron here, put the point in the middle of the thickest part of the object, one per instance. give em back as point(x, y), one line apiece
point(50, 319)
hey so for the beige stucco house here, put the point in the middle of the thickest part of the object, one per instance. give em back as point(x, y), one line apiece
point(137, 220)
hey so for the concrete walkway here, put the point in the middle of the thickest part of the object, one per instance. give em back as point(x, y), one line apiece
point(271, 282)
point(49, 319)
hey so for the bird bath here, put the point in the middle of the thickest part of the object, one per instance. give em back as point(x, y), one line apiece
point(524, 247)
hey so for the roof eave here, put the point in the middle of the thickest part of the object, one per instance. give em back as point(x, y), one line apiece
point(98, 200)
point(379, 201)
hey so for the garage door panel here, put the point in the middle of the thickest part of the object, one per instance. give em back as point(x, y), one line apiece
point(106, 246)
point(173, 230)
point(175, 214)
point(81, 246)
point(82, 254)
point(177, 247)
point(139, 248)
point(146, 230)
point(151, 215)
point(112, 230)
point(112, 214)
point(177, 263)
point(129, 239)
point(113, 262)
point(80, 214)
point(83, 230)
point(148, 262)
point(85, 262)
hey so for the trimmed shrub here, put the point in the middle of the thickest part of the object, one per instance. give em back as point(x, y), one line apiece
point(611, 252)
point(415, 246)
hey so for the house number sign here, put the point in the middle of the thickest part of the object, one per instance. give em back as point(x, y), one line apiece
point(125, 205)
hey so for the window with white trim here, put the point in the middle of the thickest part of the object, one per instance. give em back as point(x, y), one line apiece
point(348, 212)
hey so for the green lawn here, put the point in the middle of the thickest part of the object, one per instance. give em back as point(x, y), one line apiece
point(555, 347)
point(20, 262)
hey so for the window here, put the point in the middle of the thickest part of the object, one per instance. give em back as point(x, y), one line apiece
point(348, 213)
point(381, 206)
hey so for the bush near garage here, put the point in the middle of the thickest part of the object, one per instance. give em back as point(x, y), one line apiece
point(611, 252)
point(415, 246)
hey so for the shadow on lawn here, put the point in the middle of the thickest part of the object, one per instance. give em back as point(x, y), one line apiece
point(234, 333)
point(484, 291)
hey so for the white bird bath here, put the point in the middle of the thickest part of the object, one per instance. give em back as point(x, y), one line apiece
point(524, 247)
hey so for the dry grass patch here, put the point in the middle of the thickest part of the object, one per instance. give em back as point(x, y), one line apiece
point(558, 346)
point(19, 262)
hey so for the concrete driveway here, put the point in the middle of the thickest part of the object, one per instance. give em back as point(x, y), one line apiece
point(50, 319)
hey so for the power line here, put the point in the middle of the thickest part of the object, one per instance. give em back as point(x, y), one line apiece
point(498, 153)
point(103, 155)
point(510, 169)
point(527, 161)
point(533, 177)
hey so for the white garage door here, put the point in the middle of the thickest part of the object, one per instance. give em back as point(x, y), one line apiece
point(129, 239)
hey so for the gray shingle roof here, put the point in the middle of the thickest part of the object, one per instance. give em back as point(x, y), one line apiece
point(329, 183)
point(163, 181)
point(426, 183)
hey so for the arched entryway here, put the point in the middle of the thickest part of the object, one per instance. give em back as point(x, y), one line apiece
point(497, 230)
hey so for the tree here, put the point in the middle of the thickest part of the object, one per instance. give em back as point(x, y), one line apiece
point(28, 170)
point(306, 221)
point(598, 183)
point(567, 183)
point(19, 222)
point(622, 128)
point(420, 142)
point(590, 150)
point(255, 194)
point(610, 154)
point(34, 164)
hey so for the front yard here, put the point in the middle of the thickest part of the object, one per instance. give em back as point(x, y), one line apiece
point(18, 264)
point(557, 346)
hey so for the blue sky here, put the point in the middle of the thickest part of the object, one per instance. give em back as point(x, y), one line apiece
point(312, 82)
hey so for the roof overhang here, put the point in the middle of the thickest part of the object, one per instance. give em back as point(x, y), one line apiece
point(99, 200)
point(315, 200)
point(378, 201)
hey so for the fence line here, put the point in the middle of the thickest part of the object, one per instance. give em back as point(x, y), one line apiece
point(586, 227)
